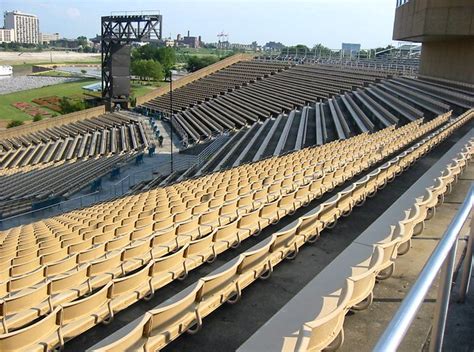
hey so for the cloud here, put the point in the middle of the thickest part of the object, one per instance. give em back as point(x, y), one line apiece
point(73, 13)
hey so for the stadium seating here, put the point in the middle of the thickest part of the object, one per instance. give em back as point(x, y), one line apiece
point(107, 134)
point(189, 307)
point(20, 190)
point(108, 240)
point(215, 84)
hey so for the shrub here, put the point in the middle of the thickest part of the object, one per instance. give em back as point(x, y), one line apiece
point(14, 123)
point(195, 63)
point(69, 105)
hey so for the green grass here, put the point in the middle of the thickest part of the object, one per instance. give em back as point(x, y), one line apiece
point(9, 112)
point(139, 89)
point(182, 53)
point(53, 73)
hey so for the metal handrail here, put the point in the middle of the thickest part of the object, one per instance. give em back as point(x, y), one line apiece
point(443, 257)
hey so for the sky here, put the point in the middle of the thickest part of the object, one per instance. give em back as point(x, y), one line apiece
point(329, 22)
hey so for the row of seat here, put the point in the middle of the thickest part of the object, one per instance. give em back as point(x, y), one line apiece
point(363, 110)
point(392, 65)
point(67, 130)
point(221, 81)
point(252, 221)
point(295, 87)
point(87, 143)
point(185, 311)
point(20, 190)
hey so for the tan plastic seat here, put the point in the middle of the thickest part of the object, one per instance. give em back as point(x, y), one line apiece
point(255, 264)
point(284, 245)
point(219, 288)
point(162, 325)
point(131, 288)
point(24, 307)
point(201, 250)
point(326, 330)
point(79, 316)
point(228, 235)
point(40, 336)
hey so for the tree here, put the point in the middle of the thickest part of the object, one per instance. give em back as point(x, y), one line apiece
point(321, 50)
point(273, 46)
point(145, 52)
point(154, 70)
point(167, 57)
point(37, 117)
point(14, 123)
point(195, 63)
point(82, 41)
point(147, 69)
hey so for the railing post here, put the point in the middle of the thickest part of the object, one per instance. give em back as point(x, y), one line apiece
point(467, 265)
point(442, 300)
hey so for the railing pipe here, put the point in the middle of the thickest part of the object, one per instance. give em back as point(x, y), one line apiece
point(397, 328)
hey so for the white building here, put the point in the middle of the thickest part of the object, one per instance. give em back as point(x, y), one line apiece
point(7, 35)
point(46, 38)
point(26, 26)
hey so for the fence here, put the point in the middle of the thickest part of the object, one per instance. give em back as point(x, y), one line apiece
point(443, 257)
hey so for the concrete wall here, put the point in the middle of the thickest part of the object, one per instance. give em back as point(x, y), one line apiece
point(194, 76)
point(449, 59)
point(56, 121)
point(422, 20)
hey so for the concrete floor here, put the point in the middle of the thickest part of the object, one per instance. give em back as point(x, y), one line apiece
point(228, 327)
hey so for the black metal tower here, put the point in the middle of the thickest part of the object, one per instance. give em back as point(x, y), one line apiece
point(118, 32)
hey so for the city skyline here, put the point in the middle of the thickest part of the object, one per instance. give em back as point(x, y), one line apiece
point(304, 22)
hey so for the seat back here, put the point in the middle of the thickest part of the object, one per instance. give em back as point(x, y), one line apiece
point(24, 339)
point(169, 262)
point(130, 282)
point(71, 280)
point(285, 239)
point(200, 245)
point(319, 333)
point(212, 284)
point(168, 316)
point(256, 259)
point(86, 306)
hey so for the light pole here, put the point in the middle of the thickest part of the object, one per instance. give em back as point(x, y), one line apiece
point(171, 119)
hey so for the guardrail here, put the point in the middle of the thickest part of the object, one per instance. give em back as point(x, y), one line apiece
point(443, 257)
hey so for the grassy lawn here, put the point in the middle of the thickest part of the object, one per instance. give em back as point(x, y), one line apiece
point(9, 112)
point(140, 89)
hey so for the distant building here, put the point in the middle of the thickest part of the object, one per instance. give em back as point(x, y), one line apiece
point(46, 38)
point(188, 41)
point(25, 26)
point(349, 49)
point(7, 35)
